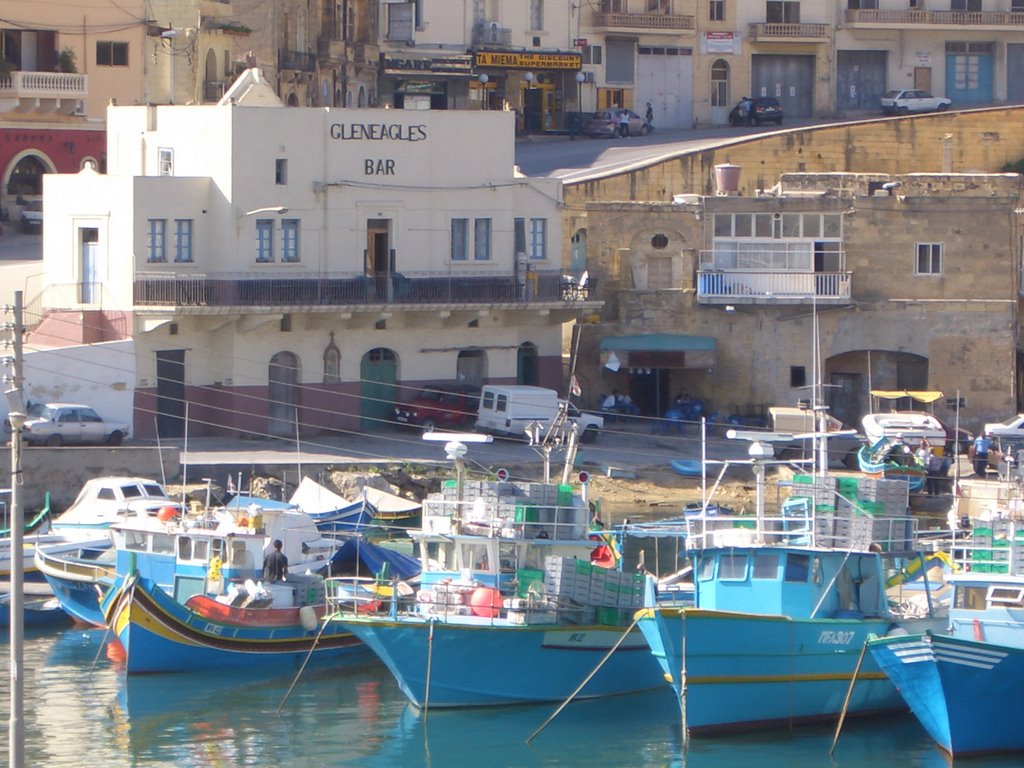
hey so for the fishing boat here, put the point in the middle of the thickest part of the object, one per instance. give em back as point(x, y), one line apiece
point(37, 611)
point(964, 687)
point(392, 509)
point(907, 426)
point(510, 609)
point(781, 606)
point(187, 594)
point(330, 512)
point(688, 467)
point(893, 459)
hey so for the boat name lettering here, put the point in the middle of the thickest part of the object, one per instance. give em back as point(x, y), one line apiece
point(378, 132)
point(577, 637)
point(828, 637)
point(213, 629)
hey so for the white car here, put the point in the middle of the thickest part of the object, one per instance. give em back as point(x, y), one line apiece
point(1012, 427)
point(910, 101)
point(69, 423)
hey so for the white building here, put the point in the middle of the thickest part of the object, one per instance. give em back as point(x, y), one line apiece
point(305, 265)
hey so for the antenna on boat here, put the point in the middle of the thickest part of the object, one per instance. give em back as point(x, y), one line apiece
point(455, 448)
point(760, 452)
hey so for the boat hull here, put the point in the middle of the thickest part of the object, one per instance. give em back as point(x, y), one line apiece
point(162, 635)
point(965, 693)
point(748, 670)
point(467, 664)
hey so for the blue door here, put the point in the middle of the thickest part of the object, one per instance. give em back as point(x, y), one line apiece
point(969, 75)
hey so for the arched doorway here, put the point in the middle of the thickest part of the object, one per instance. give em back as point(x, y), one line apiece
point(283, 394)
point(720, 101)
point(26, 176)
point(211, 92)
point(527, 364)
point(378, 373)
point(471, 367)
point(578, 253)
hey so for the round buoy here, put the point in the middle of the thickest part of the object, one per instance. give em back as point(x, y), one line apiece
point(307, 617)
point(166, 514)
point(115, 652)
point(486, 602)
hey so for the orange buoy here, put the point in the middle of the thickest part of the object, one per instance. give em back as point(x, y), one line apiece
point(486, 602)
point(166, 514)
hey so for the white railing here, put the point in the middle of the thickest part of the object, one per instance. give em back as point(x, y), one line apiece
point(44, 85)
point(784, 285)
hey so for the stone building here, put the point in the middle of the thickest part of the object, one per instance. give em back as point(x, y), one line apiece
point(857, 281)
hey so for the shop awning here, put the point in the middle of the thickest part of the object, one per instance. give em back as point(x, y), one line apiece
point(661, 350)
point(921, 396)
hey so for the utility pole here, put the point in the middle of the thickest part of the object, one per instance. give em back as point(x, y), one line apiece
point(16, 407)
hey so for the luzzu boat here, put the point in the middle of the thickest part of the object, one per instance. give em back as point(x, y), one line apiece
point(186, 594)
point(964, 688)
point(510, 608)
point(777, 621)
point(893, 459)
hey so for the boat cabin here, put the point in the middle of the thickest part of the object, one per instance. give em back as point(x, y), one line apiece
point(802, 583)
point(989, 608)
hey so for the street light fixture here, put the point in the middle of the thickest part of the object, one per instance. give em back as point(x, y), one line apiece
point(269, 209)
point(483, 78)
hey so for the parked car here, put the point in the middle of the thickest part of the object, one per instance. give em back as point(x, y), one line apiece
point(1012, 427)
point(32, 216)
point(68, 423)
point(605, 123)
point(442, 406)
point(908, 101)
point(763, 109)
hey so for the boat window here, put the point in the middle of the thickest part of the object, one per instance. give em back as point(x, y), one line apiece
point(163, 544)
point(135, 541)
point(184, 548)
point(131, 491)
point(707, 569)
point(507, 556)
point(239, 554)
point(200, 549)
point(475, 556)
point(1005, 595)
point(733, 567)
point(797, 567)
point(155, 491)
point(106, 493)
point(766, 565)
point(534, 558)
point(971, 598)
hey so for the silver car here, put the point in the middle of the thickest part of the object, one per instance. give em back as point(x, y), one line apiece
point(72, 423)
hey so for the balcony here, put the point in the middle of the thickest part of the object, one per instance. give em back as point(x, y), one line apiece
point(613, 21)
point(787, 287)
point(865, 18)
point(365, 53)
point(298, 61)
point(777, 32)
point(43, 91)
point(248, 292)
point(489, 34)
point(332, 51)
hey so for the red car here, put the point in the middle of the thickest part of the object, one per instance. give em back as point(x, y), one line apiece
point(445, 406)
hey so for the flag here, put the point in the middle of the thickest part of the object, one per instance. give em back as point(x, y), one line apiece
point(574, 386)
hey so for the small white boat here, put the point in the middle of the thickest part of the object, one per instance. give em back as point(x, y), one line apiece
point(910, 427)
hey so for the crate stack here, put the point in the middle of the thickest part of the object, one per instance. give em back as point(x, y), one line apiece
point(587, 584)
point(858, 511)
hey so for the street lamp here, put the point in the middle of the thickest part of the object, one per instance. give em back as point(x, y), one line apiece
point(528, 77)
point(483, 78)
point(580, 79)
point(169, 36)
point(269, 209)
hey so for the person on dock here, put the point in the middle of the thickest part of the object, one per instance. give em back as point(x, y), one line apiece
point(980, 454)
point(275, 565)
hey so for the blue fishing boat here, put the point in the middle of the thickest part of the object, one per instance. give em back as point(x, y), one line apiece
point(331, 513)
point(893, 459)
point(688, 467)
point(36, 612)
point(964, 688)
point(510, 609)
point(779, 611)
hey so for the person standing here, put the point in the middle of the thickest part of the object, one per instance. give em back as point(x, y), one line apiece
point(649, 117)
point(275, 565)
point(982, 443)
point(624, 124)
point(745, 105)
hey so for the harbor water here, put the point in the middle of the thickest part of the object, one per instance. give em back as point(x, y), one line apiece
point(81, 709)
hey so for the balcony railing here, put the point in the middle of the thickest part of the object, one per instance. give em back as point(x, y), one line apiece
point(300, 61)
point(776, 31)
point(248, 290)
point(772, 287)
point(44, 85)
point(603, 20)
point(992, 19)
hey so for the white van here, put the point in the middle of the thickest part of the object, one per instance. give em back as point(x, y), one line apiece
point(509, 409)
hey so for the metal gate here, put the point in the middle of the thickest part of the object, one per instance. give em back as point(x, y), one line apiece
point(790, 79)
point(860, 79)
point(665, 79)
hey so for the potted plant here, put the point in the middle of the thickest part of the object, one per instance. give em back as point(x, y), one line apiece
point(67, 62)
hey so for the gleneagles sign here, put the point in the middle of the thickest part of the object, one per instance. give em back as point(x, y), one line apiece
point(378, 132)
